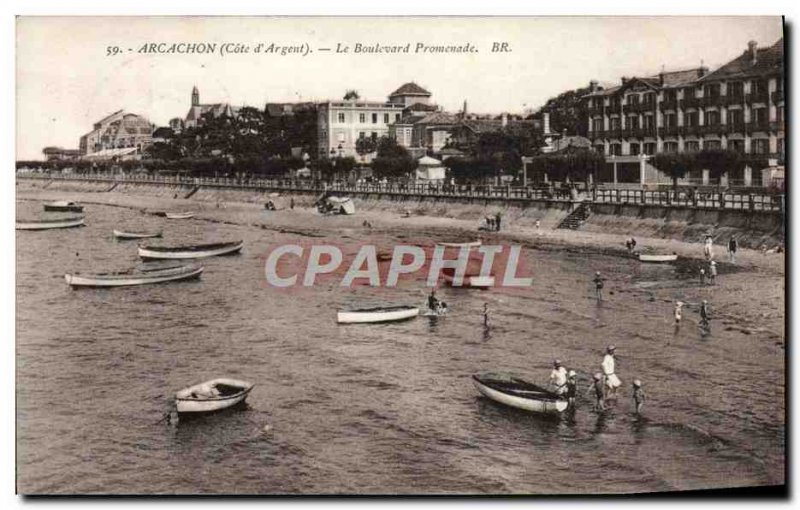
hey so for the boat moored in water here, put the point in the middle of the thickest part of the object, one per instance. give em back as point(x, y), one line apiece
point(50, 223)
point(515, 392)
point(472, 244)
point(134, 277)
point(377, 314)
point(657, 258)
point(179, 215)
point(213, 395)
point(63, 206)
point(121, 234)
point(196, 251)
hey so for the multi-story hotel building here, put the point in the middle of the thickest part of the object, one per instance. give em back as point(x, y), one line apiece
point(117, 131)
point(341, 123)
point(738, 106)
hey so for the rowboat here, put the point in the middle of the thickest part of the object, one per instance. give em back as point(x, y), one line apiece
point(378, 314)
point(63, 206)
point(473, 244)
point(657, 258)
point(50, 223)
point(213, 395)
point(121, 234)
point(478, 282)
point(134, 277)
point(196, 251)
point(515, 392)
point(179, 216)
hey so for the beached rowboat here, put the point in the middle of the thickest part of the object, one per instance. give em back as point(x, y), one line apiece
point(657, 258)
point(63, 206)
point(378, 314)
point(197, 251)
point(134, 277)
point(515, 392)
point(180, 216)
point(473, 244)
point(213, 395)
point(49, 223)
point(121, 234)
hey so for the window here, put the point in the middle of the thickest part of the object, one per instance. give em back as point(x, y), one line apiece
point(374, 118)
point(615, 123)
point(633, 99)
point(397, 117)
point(385, 118)
point(780, 146)
point(600, 149)
point(779, 114)
point(362, 118)
point(736, 145)
point(649, 122)
point(597, 125)
point(690, 119)
point(670, 120)
point(361, 135)
point(760, 116)
point(691, 146)
point(736, 89)
point(711, 90)
point(633, 122)
point(760, 146)
point(670, 146)
point(635, 149)
point(374, 136)
point(616, 149)
point(649, 98)
point(735, 117)
point(340, 118)
point(712, 118)
point(650, 148)
point(759, 87)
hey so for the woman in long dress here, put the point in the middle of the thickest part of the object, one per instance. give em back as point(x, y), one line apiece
point(611, 379)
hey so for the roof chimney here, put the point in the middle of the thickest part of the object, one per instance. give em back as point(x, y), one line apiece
point(504, 119)
point(752, 47)
point(546, 122)
point(661, 79)
point(593, 86)
point(624, 80)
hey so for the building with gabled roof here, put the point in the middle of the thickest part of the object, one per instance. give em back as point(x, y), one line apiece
point(119, 130)
point(738, 106)
point(199, 112)
point(409, 94)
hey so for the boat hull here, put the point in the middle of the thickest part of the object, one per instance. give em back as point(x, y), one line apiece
point(179, 216)
point(365, 317)
point(535, 405)
point(473, 244)
point(120, 234)
point(149, 253)
point(170, 275)
point(48, 225)
point(63, 208)
point(658, 258)
point(189, 405)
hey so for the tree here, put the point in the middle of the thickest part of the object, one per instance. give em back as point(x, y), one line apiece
point(469, 169)
point(351, 95)
point(504, 149)
point(393, 160)
point(675, 165)
point(567, 112)
point(719, 162)
point(366, 145)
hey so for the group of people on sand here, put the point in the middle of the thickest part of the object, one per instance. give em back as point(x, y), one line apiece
point(604, 386)
point(492, 223)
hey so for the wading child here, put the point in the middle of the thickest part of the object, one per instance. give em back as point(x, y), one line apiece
point(638, 395)
point(572, 388)
point(597, 387)
point(712, 273)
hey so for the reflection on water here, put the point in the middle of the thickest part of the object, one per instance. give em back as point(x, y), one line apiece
point(374, 408)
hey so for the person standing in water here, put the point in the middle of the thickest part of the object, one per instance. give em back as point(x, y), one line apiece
point(702, 276)
point(712, 273)
point(485, 315)
point(558, 378)
point(705, 314)
point(432, 301)
point(733, 246)
point(599, 392)
point(572, 388)
point(497, 221)
point(609, 367)
point(678, 314)
point(598, 286)
point(638, 396)
point(708, 247)
point(291, 203)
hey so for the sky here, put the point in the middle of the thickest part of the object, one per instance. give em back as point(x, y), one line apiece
point(66, 81)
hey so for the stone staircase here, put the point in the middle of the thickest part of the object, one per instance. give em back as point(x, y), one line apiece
point(575, 219)
point(192, 192)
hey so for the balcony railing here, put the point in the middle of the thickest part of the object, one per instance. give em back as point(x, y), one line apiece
point(614, 133)
point(777, 96)
point(594, 110)
point(671, 130)
point(638, 132)
point(668, 104)
point(691, 102)
point(737, 127)
point(758, 97)
point(639, 107)
point(758, 126)
point(776, 126)
point(733, 99)
point(594, 135)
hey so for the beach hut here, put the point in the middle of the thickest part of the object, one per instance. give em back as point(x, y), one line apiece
point(430, 170)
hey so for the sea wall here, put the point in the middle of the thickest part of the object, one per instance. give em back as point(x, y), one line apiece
point(753, 228)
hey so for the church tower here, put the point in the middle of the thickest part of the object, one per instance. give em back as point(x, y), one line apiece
point(195, 96)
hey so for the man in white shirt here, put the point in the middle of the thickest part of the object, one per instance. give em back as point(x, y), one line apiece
point(558, 378)
point(611, 379)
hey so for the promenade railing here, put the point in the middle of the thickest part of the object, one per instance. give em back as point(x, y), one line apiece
point(682, 197)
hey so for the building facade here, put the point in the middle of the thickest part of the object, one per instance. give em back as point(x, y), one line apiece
point(341, 123)
point(198, 112)
point(738, 106)
point(120, 130)
point(60, 154)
